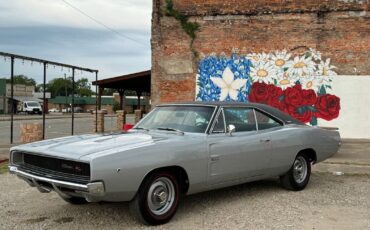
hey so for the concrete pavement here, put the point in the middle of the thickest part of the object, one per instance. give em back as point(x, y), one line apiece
point(352, 158)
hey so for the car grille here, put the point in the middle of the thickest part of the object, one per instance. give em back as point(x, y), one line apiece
point(55, 168)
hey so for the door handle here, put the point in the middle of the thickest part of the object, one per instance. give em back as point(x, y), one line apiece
point(215, 158)
point(265, 140)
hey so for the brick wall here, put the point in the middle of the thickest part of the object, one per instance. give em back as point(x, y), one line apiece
point(339, 29)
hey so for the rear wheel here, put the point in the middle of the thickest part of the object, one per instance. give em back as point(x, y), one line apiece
point(297, 177)
point(75, 200)
point(157, 200)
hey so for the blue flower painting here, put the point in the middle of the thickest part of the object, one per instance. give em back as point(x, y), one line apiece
point(223, 79)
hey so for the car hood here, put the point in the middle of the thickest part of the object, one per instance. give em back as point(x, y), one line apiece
point(75, 147)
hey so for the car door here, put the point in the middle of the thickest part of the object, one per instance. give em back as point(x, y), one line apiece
point(281, 142)
point(240, 155)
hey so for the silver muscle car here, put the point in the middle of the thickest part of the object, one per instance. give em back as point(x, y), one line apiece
point(176, 149)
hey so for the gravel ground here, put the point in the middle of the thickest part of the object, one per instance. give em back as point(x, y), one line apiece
point(329, 202)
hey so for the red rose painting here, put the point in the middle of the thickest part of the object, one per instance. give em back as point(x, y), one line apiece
point(328, 107)
point(302, 104)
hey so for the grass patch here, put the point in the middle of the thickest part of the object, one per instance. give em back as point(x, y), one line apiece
point(3, 168)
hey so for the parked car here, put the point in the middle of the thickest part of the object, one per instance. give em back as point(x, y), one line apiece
point(30, 107)
point(75, 110)
point(66, 110)
point(54, 110)
point(78, 110)
point(176, 149)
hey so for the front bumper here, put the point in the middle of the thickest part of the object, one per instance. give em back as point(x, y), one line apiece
point(65, 189)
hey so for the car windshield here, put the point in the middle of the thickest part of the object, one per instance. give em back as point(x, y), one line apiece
point(33, 104)
point(194, 119)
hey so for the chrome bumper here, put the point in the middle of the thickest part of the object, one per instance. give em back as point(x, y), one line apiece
point(90, 189)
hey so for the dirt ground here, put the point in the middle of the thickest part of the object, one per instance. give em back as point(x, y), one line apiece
point(329, 202)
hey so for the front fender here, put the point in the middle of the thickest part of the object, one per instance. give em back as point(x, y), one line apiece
point(123, 172)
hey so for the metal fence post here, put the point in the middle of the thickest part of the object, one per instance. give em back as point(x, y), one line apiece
point(43, 99)
point(96, 102)
point(73, 99)
point(12, 99)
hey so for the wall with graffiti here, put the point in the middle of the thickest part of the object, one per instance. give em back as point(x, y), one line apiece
point(297, 85)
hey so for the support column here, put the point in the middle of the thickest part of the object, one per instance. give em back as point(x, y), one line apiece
point(101, 91)
point(99, 122)
point(139, 93)
point(121, 98)
point(138, 115)
point(121, 119)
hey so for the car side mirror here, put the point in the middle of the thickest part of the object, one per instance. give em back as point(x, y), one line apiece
point(230, 129)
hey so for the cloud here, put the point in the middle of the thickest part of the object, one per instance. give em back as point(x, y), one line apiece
point(117, 14)
point(50, 29)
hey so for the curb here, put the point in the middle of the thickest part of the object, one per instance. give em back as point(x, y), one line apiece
point(355, 140)
point(346, 169)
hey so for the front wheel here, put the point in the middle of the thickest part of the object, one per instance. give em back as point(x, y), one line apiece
point(157, 200)
point(297, 177)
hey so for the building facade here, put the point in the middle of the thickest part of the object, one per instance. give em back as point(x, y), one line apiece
point(20, 93)
point(309, 58)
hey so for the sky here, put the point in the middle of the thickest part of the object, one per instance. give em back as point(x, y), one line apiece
point(55, 30)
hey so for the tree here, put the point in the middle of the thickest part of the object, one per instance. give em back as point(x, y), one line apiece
point(22, 79)
point(109, 92)
point(63, 87)
point(59, 87)
point(83, 87)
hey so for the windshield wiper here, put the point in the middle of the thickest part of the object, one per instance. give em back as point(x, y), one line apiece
point(170, 129)
point(140, 128)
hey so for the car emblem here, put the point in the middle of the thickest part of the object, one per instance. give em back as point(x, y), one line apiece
point(78, 169)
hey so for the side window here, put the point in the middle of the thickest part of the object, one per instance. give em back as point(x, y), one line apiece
point(242, 118)
point(219, 126)
point(266, 122)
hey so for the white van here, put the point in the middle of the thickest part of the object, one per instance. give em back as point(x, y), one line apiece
point(30, 107)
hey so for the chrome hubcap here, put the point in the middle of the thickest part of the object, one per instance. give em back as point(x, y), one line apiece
point(300, 169)
point(161, 196)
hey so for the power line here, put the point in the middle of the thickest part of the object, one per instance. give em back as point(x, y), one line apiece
point(102, 24)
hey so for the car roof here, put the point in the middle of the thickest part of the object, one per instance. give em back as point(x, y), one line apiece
point(286, 118)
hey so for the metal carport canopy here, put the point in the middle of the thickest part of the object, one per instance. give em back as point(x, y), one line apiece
point(139, 82)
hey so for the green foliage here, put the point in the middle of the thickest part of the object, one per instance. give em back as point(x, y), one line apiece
point(322, 90)
point(64, 87)
point(83, 87)
point(116, 106)
point(189, 27)
point(3, 168)
point(313, 121)
point(59, 87)
point(22, 79)
point(109, 92)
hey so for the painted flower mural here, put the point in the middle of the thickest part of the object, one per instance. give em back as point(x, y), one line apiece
point(228, 85)
point(296, 85)
point(223, 79)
